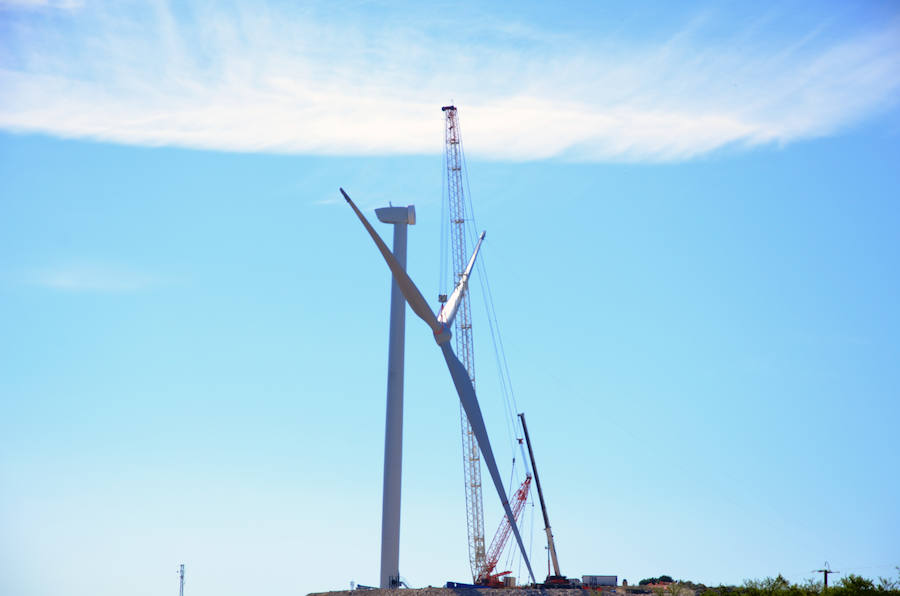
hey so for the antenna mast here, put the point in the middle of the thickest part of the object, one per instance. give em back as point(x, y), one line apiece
point(462, 334)
point(181, 580)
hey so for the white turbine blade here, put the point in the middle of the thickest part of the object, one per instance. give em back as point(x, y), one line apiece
point(448, 313)
point(412, 294)
point(473, 412)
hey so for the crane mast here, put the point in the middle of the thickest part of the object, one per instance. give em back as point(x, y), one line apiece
point(462, 334)
point(558, 577)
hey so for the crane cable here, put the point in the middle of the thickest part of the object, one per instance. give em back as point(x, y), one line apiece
point(509, 398)
point(444, 281)
point(506, 388)
point(443, 275)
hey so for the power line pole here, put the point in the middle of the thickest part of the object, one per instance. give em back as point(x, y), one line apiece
point(825, 573)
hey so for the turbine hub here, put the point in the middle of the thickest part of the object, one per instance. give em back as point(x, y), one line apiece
point(444, 336)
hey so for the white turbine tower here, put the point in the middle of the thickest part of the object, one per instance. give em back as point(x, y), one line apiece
point(440, 326)
point(401, 217)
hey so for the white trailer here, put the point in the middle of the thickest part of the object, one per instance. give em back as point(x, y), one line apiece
point(598, 581)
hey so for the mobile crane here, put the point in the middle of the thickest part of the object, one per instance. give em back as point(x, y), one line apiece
point(488, 577)
point(557, 580)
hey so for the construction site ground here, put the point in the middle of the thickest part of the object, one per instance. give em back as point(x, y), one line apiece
point(471, 592)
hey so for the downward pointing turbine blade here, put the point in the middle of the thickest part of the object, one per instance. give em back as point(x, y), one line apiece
point(473, 412)
point(412, 294)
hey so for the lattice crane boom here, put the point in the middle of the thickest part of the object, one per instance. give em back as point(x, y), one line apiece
point(487, 576)
point(462, 334)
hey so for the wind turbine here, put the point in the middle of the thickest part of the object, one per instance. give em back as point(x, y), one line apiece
point(440, 326)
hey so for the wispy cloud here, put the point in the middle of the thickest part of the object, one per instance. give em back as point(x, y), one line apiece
point(42, 4)
point(244, 79)
point(91, 278)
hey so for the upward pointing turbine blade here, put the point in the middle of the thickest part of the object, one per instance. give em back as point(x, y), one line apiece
point(458, 372)
point(448, 312)
point(412, 294)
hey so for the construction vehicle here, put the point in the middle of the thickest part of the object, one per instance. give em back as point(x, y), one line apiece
point(488, 577)
point(556, 579)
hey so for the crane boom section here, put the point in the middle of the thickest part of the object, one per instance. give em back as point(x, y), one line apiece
point(537, 480)
point(462, 334)
point(502, 535)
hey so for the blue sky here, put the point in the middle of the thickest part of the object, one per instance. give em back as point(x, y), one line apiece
point(692, 245)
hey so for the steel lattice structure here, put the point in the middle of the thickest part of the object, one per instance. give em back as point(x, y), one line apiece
point(488, 573)
point(462, 333)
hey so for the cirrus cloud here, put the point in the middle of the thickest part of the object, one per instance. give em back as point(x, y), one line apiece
point(270, 80)
point(93, 278)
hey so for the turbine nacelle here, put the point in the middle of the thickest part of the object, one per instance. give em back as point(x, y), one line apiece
point(397, 215)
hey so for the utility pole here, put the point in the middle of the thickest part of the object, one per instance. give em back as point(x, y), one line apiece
point(825, 573)
point(181, 580)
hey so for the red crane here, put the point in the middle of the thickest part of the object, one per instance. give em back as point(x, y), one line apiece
point(488, 577)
